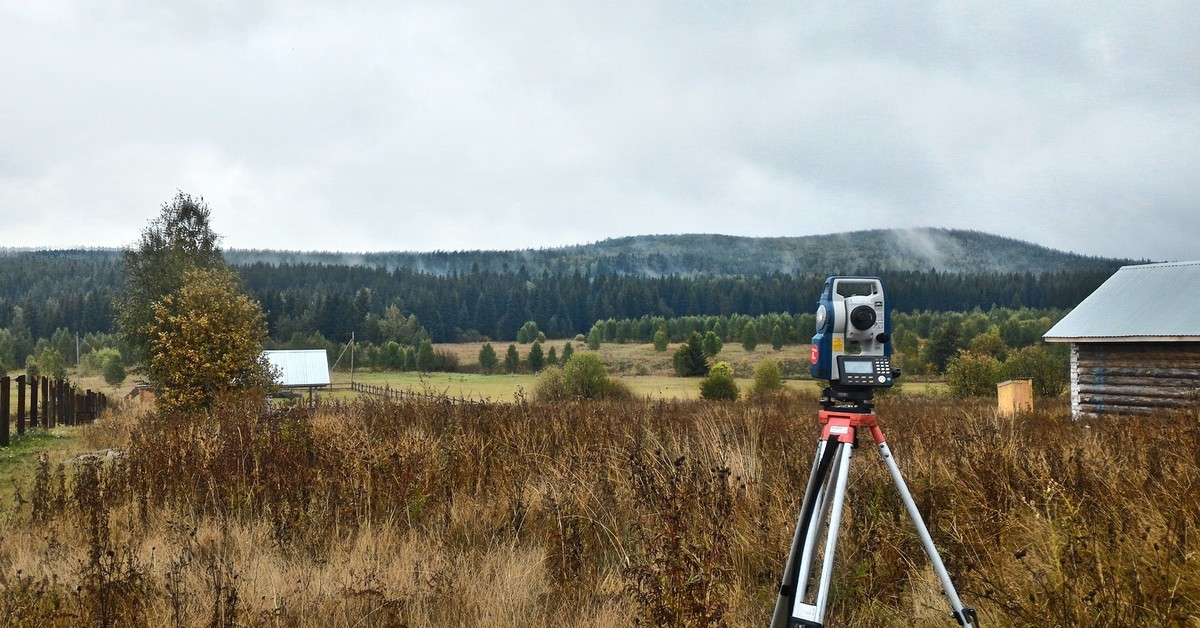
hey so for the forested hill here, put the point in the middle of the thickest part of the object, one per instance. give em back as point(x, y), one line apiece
point(873, 252)
point(458, 295)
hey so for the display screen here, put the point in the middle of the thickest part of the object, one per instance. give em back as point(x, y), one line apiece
point(858, 367)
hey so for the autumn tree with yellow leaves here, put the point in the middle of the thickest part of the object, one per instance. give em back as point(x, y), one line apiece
point(178, 240)
point(207, 341)
point(185, 314)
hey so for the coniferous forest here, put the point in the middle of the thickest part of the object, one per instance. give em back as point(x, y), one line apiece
point(472, 296)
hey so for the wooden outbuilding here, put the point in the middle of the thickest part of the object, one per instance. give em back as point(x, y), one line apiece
point(1014, 397)
point(1135, 342)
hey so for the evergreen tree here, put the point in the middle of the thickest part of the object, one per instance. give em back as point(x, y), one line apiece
point(750, 336)
point(567, 352)
point(512, 360)
point(488, 361)
point(689, 358)
point(777, 338)
point(425, 358)
point(410, 360)
point(712, 344)
point(536, 359)
point(552, 357)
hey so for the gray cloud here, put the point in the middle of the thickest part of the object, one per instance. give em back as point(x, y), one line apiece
point(382, 126)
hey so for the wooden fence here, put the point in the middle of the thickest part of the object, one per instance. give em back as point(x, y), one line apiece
point(61, 403)
point(388, 392)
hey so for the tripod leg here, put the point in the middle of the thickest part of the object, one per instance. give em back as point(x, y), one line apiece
point(791, 574)
point(815, 529)
point(831, 534)
point(965, 616)
point(818, 523)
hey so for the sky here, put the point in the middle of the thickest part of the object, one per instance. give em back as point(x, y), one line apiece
point(417, 126)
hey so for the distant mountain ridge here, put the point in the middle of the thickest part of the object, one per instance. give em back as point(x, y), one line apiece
point(873, 251)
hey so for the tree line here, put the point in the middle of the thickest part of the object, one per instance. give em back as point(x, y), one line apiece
point(483, 305)
point(42, 293)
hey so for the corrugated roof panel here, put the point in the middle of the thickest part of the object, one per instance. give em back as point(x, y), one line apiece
point(300, 368)
point(1144, 302)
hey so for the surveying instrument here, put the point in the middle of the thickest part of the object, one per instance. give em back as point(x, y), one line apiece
point(851, 349)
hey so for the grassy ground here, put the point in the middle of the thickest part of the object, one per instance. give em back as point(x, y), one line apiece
point(647, 372)
point(501, 388)
point(17, 462)
point(641, 359)
point(602, 514)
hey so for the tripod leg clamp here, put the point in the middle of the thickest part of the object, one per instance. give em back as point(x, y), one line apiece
point(967, 617)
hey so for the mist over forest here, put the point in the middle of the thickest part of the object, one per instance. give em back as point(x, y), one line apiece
point(467, 295)
point(688, 255)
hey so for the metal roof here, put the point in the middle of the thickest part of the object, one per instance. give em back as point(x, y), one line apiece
point(1148, 302)
point(301, 368)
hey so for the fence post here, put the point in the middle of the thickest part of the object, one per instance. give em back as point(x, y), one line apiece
point(60, 402)
point(47, 404)
point(56, 390)
point(20, 405)
point(53, 398)
point(4, 440)
point(47, 416)
point(33, 402)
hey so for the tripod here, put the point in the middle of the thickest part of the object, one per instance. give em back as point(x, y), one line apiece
point(821, 513)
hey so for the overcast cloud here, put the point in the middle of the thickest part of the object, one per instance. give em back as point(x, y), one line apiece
point(368, 126)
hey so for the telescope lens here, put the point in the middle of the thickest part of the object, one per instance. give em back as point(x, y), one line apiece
point(862, 317)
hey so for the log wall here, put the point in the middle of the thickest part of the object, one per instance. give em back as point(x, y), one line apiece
point(1110, 379)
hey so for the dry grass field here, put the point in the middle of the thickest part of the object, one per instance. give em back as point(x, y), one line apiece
point(674, 513)
point(641, 359)
point(647, 373)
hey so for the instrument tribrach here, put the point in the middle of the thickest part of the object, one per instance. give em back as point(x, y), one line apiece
point(852, 350)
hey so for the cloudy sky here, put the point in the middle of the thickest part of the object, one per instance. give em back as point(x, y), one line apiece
point(368, 126)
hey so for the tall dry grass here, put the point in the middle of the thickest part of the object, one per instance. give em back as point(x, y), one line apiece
point(609, 514)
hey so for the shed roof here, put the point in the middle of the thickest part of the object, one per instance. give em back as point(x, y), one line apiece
point(1143, 303)
point(300, 368)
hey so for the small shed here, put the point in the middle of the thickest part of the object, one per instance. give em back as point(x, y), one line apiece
point(1014, 397)
point(1135, 342)
point(300, 369)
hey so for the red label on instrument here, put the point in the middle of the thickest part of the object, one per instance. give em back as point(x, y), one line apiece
point(816, 353)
